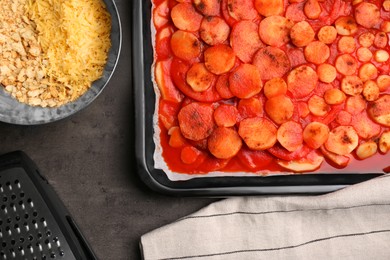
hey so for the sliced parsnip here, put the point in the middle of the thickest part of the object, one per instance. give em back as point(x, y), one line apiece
point(275, 30)
point(301, 81)
point(381, 40)
point(311, 163)
point(342, 140)
point(318, 106)
point(344, 118)
point(302, 34)
point(222, 86)
point(303, 109)
point(185, 45)
point(219, 59)
point(346, 64)
point(379, 110)
point(224, 143)
point(381, 56)
point(272, 62)
point(199, 78)
point(242, 10)
point(385, 26)
point(250, 107)
point(383, 82)
point(326, 73)
point(346, 25)
point(334, 96)
point(327, 34)
point(269, 7)
point(364, 126)
point(289, 135)
point(185, 17)
point(315, 134)
point(317, 52)
point(366, 150)
point(275, 87)
point(346, 44)
point(367, 15)
point(214, 30)
point(384, 142)
point(312, 9)
point(386, 5)
point(225, 115)
point(245, 81)
point(355, 104)
point(370, 90)
point(364, 54)
point(258, 133)
point(208, 7)
point(280, 109)
point(368, 71)
point(352, 85)
point(366, 39)
point(339, 160)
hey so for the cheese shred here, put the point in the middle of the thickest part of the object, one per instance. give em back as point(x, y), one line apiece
point(75, 39)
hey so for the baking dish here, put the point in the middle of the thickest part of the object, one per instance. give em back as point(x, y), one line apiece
point(144, 97)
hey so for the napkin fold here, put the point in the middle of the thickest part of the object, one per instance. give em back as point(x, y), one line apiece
point(353, 223)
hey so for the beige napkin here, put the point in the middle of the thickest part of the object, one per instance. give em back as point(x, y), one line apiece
point(353, 223)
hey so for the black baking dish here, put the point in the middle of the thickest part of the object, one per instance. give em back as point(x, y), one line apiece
point(144, 96)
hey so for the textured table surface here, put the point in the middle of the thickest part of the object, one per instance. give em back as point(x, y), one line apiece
point(89, 160)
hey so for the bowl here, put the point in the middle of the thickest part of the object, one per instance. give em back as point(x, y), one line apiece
point(14, 112)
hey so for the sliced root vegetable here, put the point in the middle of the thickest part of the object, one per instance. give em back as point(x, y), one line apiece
point(272, 62)
point(302, 81)
point(312, 9)
point(275, 30)
point(242, 10)
point(346, 44)
point(355, 104)
point(385, 26)
point(344, 118)
point(245, 40)
point(352, 85)
point(384, 142)
point(322, 88)
point(327, 34)
point(317, 52)
point(295, 13)
point(196, 121)
point(279, 152)
point(346, 25)
point(254, 160)
point(226, 115)
point(176, 139)
point(185, 45)
point(245, 81)
point(339, 160)
point(367, 15)
point(318, 106)
point(379, 110)
point(383, 82)
point(368, 71)
point(185, 17)
point(290, 135)
point(380, 40)
point(364, 54)
point(208, 7)
point(334, 96)
point(366, 39)
point(371, 90)
point(258, 133)
point(280, 109)
point(346, 64)
point(269, 7)
point(315, 134)
point(303, 109)
point(302, 34)
point(364, 126)
point(381, 56)
point(251, 107)
point(386, 5)
point(189, 154)
point(326, 73)
point(219, 59)
point(311, 163)
point(222, 86)
point(275, 87)
point(342, 140)
point(226, 14)
point(366, 150)
point(199, 78)
point(224, 143)
point(164, 82)
point(296, 56)
point(214, 30)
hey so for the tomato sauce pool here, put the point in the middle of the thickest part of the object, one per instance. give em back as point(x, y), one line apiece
point(172, 64)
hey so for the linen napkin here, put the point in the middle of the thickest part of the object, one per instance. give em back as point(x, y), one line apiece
point(353, 223)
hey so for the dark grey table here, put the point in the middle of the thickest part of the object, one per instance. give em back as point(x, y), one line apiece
point(89, 160)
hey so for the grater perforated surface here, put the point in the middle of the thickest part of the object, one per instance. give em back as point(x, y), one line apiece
point(28, 229)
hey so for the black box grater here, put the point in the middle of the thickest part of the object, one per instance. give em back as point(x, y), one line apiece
point(34, 224)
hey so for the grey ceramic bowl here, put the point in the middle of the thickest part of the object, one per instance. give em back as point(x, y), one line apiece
point(14, 112)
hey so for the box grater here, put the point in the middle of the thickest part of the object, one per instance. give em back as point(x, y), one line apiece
point(34, 223)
